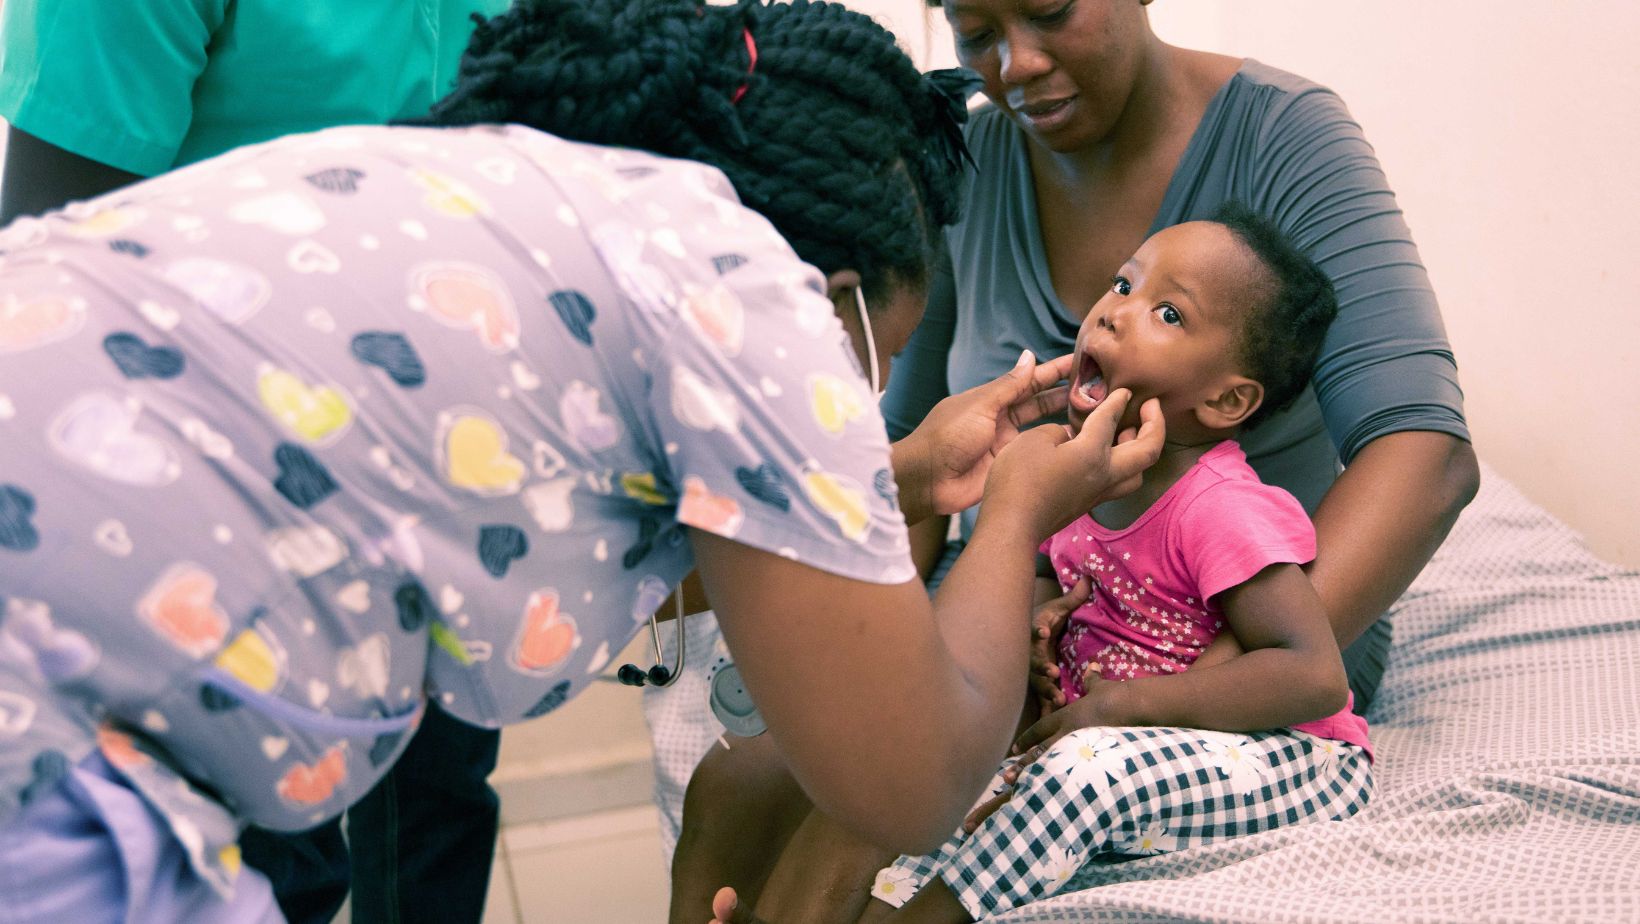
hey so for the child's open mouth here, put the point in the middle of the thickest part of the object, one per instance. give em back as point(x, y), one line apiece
point(1088, 389)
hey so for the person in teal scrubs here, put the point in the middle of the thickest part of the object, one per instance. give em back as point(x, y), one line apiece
point(99, 94)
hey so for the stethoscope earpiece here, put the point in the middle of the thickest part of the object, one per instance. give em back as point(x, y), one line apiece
point(726, 693)
point(659, 675)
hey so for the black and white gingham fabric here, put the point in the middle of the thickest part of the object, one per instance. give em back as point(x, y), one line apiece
point(1101, 793)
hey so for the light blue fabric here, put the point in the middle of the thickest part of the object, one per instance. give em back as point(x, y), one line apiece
point(90, 850)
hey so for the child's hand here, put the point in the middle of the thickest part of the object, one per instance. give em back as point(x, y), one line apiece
point(1101, 704)
point(1094, 708)
point(985, 809)
point(1047, 625)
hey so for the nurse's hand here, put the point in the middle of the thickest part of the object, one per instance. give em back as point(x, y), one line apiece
point(941, 466)
point(1049, 477)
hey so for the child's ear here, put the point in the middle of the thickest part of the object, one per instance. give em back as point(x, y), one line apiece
point(1235, 402)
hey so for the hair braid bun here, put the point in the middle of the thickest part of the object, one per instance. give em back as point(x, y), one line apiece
point(831, 141)
point(628, 72)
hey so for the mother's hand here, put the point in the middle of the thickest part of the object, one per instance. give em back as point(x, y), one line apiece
point(941, 466)
point(1049, 477)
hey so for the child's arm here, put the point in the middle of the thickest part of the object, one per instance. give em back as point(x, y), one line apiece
point(1292, 671)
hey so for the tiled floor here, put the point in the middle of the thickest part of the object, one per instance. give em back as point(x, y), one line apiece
point(602, 867)
point(580, 837)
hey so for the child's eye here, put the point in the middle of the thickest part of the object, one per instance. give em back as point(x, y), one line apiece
point(1170, 315)
point(1120, 285)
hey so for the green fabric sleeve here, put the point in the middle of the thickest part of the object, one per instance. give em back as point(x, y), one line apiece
point(109, 80)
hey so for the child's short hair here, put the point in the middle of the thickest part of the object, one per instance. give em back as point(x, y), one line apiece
point(1281, 335)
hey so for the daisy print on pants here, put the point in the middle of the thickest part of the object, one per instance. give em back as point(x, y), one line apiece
point(1088, 760)
point(1061, 864)
point(894, 884)
point(1152, 839)
point(1324, 751)
point(1245, 769)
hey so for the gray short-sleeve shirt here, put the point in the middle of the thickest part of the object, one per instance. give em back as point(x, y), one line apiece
point(1287, 148)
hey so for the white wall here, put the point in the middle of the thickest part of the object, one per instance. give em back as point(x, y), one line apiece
point(1510, 130)
point(921, 32)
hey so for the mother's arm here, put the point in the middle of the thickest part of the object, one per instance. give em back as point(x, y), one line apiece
point(1377, 527)
point(1386, 379)
point(1382, 520)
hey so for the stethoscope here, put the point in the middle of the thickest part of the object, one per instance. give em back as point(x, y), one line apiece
point(658, 675)
point(727, 695)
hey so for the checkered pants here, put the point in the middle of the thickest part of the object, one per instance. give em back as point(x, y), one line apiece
point(1105, 792)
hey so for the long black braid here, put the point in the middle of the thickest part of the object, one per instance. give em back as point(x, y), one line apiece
point(838, 139)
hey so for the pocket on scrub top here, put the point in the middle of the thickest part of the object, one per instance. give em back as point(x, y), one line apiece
point(224, 687)
point(271, 760)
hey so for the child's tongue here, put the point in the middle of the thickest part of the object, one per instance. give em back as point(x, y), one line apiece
point(1090, 383)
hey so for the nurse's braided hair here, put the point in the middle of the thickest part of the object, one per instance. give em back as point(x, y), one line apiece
point(837, 139)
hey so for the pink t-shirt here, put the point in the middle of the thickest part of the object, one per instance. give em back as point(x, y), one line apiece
point(1153, 610)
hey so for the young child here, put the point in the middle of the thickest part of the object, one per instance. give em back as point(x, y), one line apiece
point(1135, 753)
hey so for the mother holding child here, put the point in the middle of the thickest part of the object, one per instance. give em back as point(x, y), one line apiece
point(299, 438)
point(1100, 154)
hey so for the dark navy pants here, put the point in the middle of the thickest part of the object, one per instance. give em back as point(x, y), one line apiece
point(422, 840)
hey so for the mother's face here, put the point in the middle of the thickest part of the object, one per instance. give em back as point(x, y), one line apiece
point(1062, 69)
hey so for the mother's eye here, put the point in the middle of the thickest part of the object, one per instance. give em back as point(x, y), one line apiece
point(1055, 17)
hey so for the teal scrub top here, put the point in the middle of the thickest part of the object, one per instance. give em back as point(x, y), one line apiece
point(147, 85)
